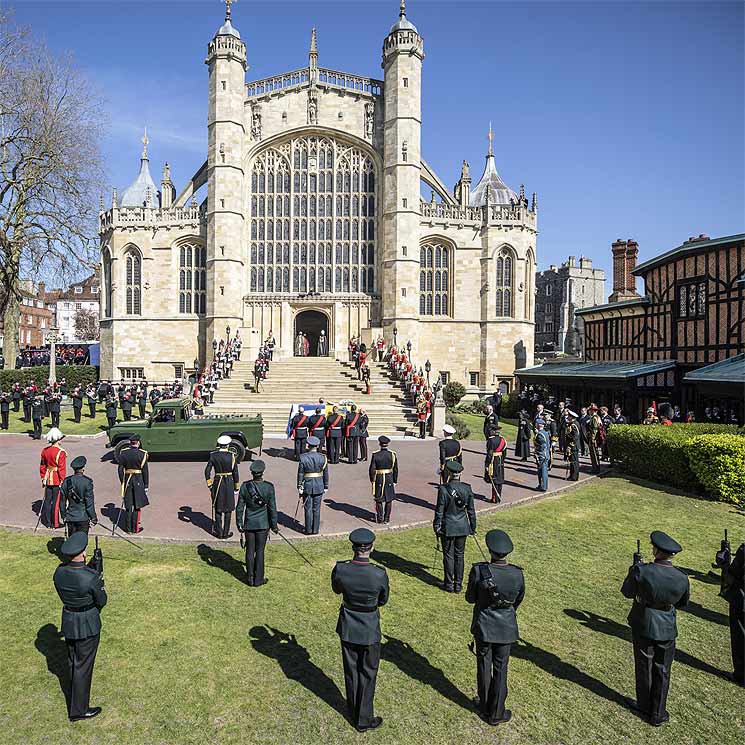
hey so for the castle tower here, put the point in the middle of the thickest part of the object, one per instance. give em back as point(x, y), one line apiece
point(403, 53)
point(226, 59)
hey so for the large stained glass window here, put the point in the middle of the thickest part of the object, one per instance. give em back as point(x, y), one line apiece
point(133, 266)
point(504, 282)
point(313, 218)
point(192, 296)
point(435, 263)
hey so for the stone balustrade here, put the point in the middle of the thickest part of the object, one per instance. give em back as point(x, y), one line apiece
point(498, 213)
point(334, 78)
point(144, 217)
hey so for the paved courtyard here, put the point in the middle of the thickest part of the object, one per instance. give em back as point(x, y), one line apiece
point(180, 507)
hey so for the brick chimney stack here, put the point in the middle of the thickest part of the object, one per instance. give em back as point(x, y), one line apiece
point(624, 262)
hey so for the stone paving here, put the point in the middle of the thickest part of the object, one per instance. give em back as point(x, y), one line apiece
point(180, 508)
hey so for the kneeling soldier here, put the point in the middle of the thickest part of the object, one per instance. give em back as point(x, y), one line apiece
point(81, 591)
point(496, 589)
point(383, 473)
point(255, 515)
point(657, 590)
point(364, 587)
point(77, 508)
point(455, 520)
point(224, 485)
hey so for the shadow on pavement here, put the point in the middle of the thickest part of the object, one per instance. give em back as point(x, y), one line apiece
point(194, 517)
point(351, 509)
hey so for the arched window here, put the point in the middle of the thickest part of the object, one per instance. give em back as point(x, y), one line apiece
point(504, 283)
point(192, 297)
point(108, 291)
point(323, 183)
point(133, 283)
point(530, 284)
point(435, 262)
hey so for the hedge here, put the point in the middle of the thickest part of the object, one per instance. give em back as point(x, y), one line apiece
point(660, 453)
point(453, 392)
point(73, 374)
point(462, 430)
point(719, 464)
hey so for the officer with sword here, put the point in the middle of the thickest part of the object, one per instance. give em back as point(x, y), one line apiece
point(134, 477)
point(223, 485)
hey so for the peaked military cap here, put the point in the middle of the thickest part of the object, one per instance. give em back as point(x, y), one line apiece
point(75, 544)
point(135, 438)
point(78, 462)
point(540, 421)
point(224, 440)
point(313, 441)
point(664, 542)
point(453, 466)
point(383, 440)
point(448, 429)
point(257, 466)
point(498, 542)
point(362, 537)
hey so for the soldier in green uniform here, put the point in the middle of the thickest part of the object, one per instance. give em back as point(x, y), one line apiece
point(496, 589)
point(90, 396)
point(383, 473)
point(4, 409)
point(223, 486)
point(455, 520)
point(111, 406)
point(364, 588)
point(733, 591)
point(37, 413)
point(77, 402)
point(594, 427)
point(312, 482)
point(572, 442)
point(657, 588)
point(81, 591)
point(77, 507)
point(255, 515)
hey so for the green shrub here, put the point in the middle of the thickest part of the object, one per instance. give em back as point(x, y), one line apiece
point(659, 453)
point(718, 461)
point(462, 430)
point(73, 374)
point(477, 407)
point(509, 406)
point(453, 392)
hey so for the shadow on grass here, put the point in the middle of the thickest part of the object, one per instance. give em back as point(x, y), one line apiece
point(50, 643)
point(554, 665)
point(222, 560)
point(418, 667)
point(417, 501)
point(608, 626)
point(294, 661)
point(414, 569)
point(706, 577)
point(54, 545)
point(706, 614)
point(113, 512)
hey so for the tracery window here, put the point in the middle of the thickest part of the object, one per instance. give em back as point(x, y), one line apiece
point(133, 267)
point(313, 218)
point(504, 283)
point(435, 262)
point(692, 300)
point(192, 296)
point(108, 290)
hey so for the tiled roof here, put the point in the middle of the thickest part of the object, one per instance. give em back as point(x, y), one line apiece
point(606, 370)
point(731, 370)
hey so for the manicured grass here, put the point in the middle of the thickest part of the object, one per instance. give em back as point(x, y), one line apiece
point(475, 423)
point(190, 655)
point(87, 426)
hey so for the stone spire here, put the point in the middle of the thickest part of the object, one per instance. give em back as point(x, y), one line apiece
point(403, 23)
point(491, 183)
point(142, 191)
point(313, 56)
point(490, 137)
point(167, 190)
point(145, 142)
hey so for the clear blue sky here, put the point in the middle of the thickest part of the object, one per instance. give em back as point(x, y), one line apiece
point(625, 117)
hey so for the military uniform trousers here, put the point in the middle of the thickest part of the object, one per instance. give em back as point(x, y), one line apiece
point(332, 448)
point(77, 412)
point(453, 551)
point(594, 454)
point(4, 419)
point(132, 512)
point(737, 641)
point(573, 464)
point(652, 663)
point(361, 662)
point(55, 418)
point(50, 516)
point(300, 444)
point(92, 409)
point(492, 660)
point(141, 407)
point(27, 412)
point(255, 545)
point(312, 507)
point(81, 656)
point(542, 471)
point(77, 527)
point(37, 429)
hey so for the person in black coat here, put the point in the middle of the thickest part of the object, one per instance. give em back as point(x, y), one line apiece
point(657, 589)
point(364, 423)
point(37, 413)
point(496, 450)
point(352, 433)
point(334, 427)
point(134, 477)
point(90, 397)
point(455, 520)
point(299, 432)
point(733, 591)
point(496, 589)
point(572, 441)
point(4, 409)
point(450, 450)
point(524, 436)
point(364, 589)
point(81, 590)
point(77, 506)
point(111, 407)
point(223, 485)
point(383, 473)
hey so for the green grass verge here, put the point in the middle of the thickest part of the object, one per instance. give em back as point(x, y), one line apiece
point(87, 426)
point(190, 655)
point(475, 423)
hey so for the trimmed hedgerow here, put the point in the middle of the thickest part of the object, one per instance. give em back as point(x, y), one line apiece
point(659, 453)
point(718, 461)
point(73, 374)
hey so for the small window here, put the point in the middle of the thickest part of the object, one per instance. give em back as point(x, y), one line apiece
point(178, 371)
point(94, 289)
point(403, 292)
point(548, 289)
point(78, 290)
point(406, 82)
point(474, 378)
point(549, 308)
point(78, 306)
point(405, 250)
point(445, 376)
point(692, 300)
point(405, 202)
point(549, 327)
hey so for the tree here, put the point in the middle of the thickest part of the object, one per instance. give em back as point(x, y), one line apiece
point(452, 393)
point(86, 324)
point(50, 169)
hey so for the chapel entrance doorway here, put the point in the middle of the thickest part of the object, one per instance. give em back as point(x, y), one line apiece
point(307, 339)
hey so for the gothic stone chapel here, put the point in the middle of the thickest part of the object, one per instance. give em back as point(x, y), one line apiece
point(313, 218)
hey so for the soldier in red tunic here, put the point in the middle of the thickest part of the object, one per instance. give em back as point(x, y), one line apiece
point(52, 469)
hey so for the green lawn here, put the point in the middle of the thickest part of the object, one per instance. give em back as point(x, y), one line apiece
point(87, 426)
point(475, 423)
point(190, 655)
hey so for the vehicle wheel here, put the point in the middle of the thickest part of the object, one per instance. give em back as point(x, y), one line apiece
point(236, 447)
point(118, 449)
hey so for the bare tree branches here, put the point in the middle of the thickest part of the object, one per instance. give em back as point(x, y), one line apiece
point(50, 168)
point(86, 324)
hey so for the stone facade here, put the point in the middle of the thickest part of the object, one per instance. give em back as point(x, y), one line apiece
point(314, 180)
point(560, 291)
